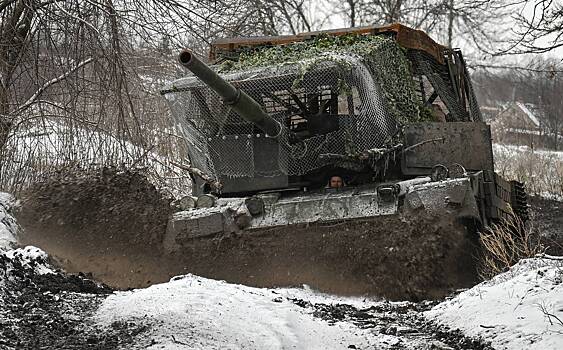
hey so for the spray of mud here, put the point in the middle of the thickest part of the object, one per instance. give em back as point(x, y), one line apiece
point(111, 224)
point(108, 223)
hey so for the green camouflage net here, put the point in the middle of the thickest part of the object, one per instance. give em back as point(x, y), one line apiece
point(385, 59)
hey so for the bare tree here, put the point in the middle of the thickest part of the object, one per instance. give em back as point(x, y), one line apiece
point(539, 27)
point(84, 64)
point(453, 22)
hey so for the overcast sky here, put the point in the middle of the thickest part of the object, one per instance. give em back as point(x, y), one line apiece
point(319, 12)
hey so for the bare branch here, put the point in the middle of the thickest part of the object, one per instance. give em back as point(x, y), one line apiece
point(48, 84)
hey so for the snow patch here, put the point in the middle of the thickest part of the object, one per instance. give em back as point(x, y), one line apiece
point(48, 144)
point(519, 309)
point(31, 257)
point(28, 261)
point(8, 225)
point(515, 150)
point(206, 314)
point(529, 113)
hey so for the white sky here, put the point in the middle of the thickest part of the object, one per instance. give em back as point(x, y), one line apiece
point(340, 21)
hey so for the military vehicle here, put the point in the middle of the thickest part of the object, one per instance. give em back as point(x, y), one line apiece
point(355, 161)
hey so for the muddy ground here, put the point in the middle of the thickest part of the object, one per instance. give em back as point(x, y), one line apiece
point(110, 224)
point(48, 311)
point(403, 321)
point(54, 312)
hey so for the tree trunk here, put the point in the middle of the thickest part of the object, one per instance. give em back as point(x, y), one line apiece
point(5, 124)
point(352, 5)
point(451, 23)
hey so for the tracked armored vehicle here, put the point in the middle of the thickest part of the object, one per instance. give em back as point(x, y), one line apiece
point(386, 113)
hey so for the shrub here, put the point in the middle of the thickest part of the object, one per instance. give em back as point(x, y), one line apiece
point(505, 243)
point(541, 171)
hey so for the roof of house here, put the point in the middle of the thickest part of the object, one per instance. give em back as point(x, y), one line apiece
point(527, 109)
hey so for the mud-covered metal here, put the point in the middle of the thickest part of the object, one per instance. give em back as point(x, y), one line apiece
point(408, 243)
point(328, 205)
point(429, 144)
point(407, 143)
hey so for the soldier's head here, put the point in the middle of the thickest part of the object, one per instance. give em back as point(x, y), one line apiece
point(335, 181)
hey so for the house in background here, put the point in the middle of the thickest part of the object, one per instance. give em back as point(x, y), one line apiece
point(489, 113)
point(523, 124)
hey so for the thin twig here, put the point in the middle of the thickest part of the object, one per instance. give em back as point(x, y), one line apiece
point(422, 143)
point(51, 82)
point(208, 179)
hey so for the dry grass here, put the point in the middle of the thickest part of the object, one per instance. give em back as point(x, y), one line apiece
point(507, 242)
point(540, 170)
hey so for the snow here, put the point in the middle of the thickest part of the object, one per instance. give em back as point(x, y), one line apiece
point(8, 225)
point(511, 310)
point(15, 262)
point(540, 170)
point(529, 113)
point(207, 314)
point(30, 257)
point(51, 144)
point(534, 132)
point(513, 150)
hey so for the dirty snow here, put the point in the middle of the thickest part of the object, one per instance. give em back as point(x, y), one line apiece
point(208, 314)
point(14, 262)
point(519, 309)
point(31, 257)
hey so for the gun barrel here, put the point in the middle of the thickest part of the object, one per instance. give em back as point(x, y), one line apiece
point(241, 102)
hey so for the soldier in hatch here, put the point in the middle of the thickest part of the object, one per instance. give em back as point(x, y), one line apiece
point(335, 181)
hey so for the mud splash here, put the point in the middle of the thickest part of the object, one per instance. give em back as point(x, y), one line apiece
point(109, 223)
point(112, 224)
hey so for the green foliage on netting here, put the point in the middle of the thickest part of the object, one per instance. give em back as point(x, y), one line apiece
point(385, 59)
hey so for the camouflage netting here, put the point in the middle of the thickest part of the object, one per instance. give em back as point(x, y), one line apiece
point(386, 60)
point(365, 82)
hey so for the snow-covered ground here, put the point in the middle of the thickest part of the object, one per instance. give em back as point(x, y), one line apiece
point(541, 171)
point(208, 314)
point(499, 148)
point(48, 144)
point(41, 307)
point(519, 309)
point(8, 225)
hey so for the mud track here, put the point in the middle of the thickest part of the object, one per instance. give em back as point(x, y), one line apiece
point(48, 311)
point(404, 322)
point(111, 224)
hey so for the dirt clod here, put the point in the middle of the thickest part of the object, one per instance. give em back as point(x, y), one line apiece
point(45, 310)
